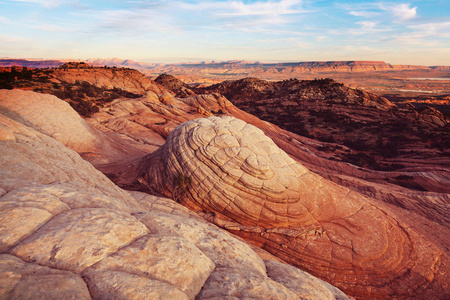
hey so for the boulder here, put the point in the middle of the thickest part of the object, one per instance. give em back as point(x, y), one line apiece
point(239, 179)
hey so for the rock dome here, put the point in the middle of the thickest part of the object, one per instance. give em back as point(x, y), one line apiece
point(230, 171)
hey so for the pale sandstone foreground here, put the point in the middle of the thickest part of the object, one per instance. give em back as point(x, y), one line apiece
point(68, 232)
point(406, 256)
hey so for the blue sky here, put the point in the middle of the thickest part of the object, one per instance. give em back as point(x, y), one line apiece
point(409, 32)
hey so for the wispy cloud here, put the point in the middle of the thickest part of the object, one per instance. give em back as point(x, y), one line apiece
point(46, 3)
point(400, 11)
point(10, 43)
point(366, 28)
point(425, 35)
point(368, 25)
point(257, 14)
point(136, 20)
point(53, 28)
point(268, 9)
point(364, 13)
point(179, 16)
point(438, 29)
point(5, 20)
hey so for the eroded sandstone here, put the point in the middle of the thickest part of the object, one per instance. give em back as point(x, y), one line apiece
point(243, 182)
point(68, 232)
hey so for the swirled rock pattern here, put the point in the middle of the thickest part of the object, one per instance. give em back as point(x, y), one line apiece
point(231, 172)
point(68, 232)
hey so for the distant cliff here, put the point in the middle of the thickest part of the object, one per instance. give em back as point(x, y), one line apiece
point(235, 65)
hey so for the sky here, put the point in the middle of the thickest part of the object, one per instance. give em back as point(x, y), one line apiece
point(397, 32)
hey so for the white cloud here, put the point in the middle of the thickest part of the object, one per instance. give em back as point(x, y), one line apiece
point(366, 28)
point(367, 25)
point(438, 29)
point(46, 3)
point(321, 38)
point(237, 13)
point(53, 28)
point(401, 11)
point(180, 16)
point(13, 43)
point(135, 21)
point(269, 9)
point(10, 39)
point(364, 13)
point(404, 11)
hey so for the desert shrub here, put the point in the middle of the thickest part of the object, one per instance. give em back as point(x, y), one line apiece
point(180, 186)
point(327, 138)
point(359, 145)
point(4, 84)
point(391, 146)
point(83, 107)
point(361, 159)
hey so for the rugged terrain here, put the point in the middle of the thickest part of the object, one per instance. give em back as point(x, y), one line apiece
point(399, 236)
point(356, 126)
point(402, 84)
point(69, 232)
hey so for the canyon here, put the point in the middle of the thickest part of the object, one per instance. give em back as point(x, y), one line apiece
point(245, 185)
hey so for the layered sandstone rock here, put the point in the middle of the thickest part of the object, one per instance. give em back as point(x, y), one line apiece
point(239, 179)
point(126, 79)
point(145, 123)
point(68, 232)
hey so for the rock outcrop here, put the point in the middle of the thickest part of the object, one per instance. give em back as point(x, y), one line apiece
point(69, 232)
point(239, 179)
point(126, 79)
point(175, 85)
point(126, 129)
point(57, 119)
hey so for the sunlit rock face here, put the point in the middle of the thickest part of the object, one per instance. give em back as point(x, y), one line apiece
point(234, 169)
point(68, 232)
point(241, 180)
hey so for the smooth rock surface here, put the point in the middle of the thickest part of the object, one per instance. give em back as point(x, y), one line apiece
point(49, 115)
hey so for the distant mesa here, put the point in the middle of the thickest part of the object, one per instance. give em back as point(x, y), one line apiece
point(250, 66)
point(30, 63)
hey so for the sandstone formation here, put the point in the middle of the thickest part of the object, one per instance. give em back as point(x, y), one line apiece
point(388, 145)
point(239, 179)
point(126, 79)
point(56, 118)
point(128, 128)
point(68, 232)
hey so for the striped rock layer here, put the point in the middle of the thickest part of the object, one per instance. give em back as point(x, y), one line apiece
point(239, 179)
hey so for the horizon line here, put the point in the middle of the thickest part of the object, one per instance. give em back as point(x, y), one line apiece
point(202, 61)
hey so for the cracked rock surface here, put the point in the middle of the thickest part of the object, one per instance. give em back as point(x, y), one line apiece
point(68, 232)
